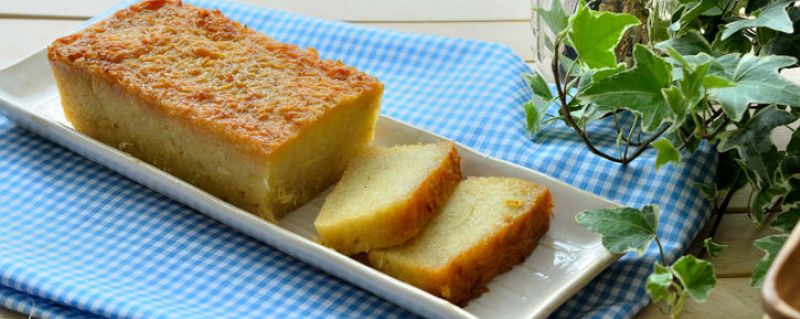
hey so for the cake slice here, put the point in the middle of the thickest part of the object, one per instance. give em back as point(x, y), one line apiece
point(261, 124)
point(387, 195)
point(488, 225)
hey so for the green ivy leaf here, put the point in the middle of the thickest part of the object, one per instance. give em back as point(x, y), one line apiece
point(603, 73)
point(783, 43)
point(588, 77)
point(595, 34)
point(536, 108)
point(764, 199)
point(709, 191)
point(676, 101)
point(723, 66)
point(756, 80)
point(713, 248)
point(718, 8)
point(692, 84)
point(623, 229)
point(689, 43)
point(657, 24)
point(717, 125)
point(555, 18)
point(667, 153)
point(727, 163)
point(693, 79)
point(750, 176)
point(794, 143)
point(675, 24)
point(770, 245)
point(792, 199)
point(539, 86)
point(754, 5)
point(719, 65)
point(790, 165)
point(696, 275)
point(637, 89)
point(659, 282)
point(535, 111)
point(752, 141)
point(587, 114)
point(790, 205)
point(773, 16)
point(736, 43)
point(693, 11)
point(533, 118)
point(787, 220)
point(714, 81)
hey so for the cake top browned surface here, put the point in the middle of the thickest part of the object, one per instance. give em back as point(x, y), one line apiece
point(200, 66)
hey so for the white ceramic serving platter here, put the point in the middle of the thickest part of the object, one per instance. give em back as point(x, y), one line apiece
point(566, 259)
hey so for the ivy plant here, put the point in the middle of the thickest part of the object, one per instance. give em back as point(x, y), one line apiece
point(670, 77)
point(629, 229)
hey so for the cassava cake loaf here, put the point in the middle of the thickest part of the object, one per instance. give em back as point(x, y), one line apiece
point(487, 225)
point(387, 195)
point(262, 124)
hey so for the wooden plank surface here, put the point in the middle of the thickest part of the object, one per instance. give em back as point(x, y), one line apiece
point(733, 298)
point(24, 30)
point(515, 34)
point(741, 256)
point(21, 37)
point(345, 10)
point(8, 314)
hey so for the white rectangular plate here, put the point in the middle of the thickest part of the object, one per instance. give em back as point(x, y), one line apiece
point(566, 259)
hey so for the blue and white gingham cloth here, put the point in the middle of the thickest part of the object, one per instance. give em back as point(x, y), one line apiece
point(80, 241)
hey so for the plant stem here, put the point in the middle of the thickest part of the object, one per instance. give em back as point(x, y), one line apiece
point(638, 138)
point(628, 140)
point(632, 142)
point(681, 135)
point(722, 126)
point(619, 132)
point(566, 112)
point(676, 306)
point(720, 210)
point(646, 143)
point(630, 135)
point(714, 113)
point(705, 121)
point(566, 75)
point(661, 251)
point(699, 128)
point(562, 96)
point(681, 302)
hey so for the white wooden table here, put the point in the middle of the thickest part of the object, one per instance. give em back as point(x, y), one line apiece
point(28, 25)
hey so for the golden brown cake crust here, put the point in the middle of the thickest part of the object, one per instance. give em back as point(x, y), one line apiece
point(429, 197)
point(199, 66)
point(466, 276)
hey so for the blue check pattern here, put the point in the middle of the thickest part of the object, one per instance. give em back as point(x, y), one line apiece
point(78, 240)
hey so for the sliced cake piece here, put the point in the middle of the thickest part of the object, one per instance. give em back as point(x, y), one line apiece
point(488, 225)
point(387, 195)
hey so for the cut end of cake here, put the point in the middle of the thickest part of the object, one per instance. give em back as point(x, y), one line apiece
point(488, 225)
point(387, 195)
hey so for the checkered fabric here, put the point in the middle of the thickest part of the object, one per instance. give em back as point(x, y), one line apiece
point(78, 240)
